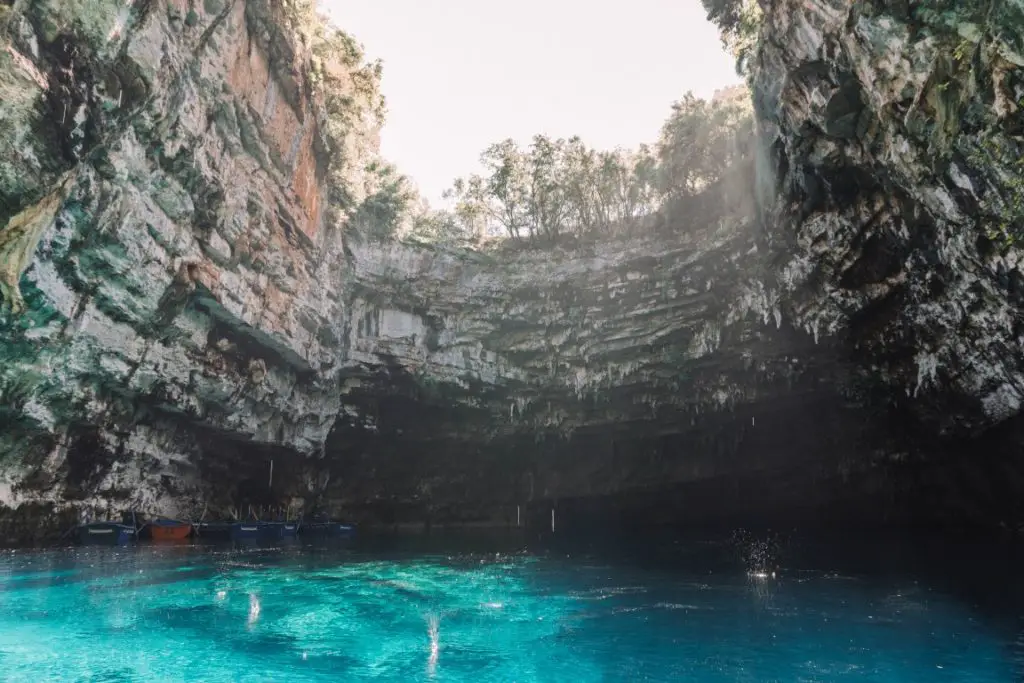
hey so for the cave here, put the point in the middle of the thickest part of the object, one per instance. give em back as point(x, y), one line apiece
point(835, 345)
point(741, 404)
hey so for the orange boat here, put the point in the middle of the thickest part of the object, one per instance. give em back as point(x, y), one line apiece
point(169, 530)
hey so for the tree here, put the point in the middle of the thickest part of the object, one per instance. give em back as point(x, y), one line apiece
point(546, 198)
point(700, 140)
point(556, 187)
point(580, 166)
point(740, 24)
point(442, 227)
point(389, 200)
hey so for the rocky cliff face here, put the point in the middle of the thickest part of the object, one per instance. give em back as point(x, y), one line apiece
point(162, 171)
point(476, 381)
point(895, 132)
point(180, 312)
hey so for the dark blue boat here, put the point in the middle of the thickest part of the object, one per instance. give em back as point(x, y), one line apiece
point(327, 529)
point(246, 531)
point(213, 530)
point(278, 529)
point(228, 531)
point(105, 533)
point(269, 530)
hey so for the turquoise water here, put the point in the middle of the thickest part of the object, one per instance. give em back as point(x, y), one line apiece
point(373, 612)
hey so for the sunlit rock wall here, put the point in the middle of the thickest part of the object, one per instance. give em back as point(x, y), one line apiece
point(551, 374)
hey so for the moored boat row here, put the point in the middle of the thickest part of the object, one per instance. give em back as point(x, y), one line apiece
point(246, 530)
point(161, 529)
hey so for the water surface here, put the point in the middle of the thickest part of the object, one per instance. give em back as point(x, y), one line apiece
point(395, 611)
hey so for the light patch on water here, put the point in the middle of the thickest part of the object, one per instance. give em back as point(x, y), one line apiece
point(434, 633)
point(254, 609)
point(606, 593)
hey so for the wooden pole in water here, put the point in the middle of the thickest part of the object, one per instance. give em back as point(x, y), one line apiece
point(552, 520)
point(517, 516)
point(270, 484)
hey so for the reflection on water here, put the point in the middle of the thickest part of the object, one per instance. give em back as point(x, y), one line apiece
point(694, 611)
point(434, 631)
point(254, 609)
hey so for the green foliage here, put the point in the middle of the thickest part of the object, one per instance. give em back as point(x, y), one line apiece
point(388, 203)
point(700, 140)
point(963, 50)
point(740, 24)
point(442, 227)
point(347, 87)
point(552, 188)
point(1003, 204)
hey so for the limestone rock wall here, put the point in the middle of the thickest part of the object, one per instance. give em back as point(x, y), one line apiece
point(552, 374)
point(895, 132)
point(182, 283)
point(178, 311)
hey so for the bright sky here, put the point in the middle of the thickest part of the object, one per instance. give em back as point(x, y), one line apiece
point(461, 74)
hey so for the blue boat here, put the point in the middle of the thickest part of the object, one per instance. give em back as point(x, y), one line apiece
point(246, 531)
point(105, 533)
point(213, 530)
point(228, 531)
point(327, 529)
point(278, 529)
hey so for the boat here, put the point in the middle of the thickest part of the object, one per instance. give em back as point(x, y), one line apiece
point(213, 530)
point(105, 533)
point(328, 529)
point(278, 529)
point(235, 531)
point(245, 531)
point(169, 530)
